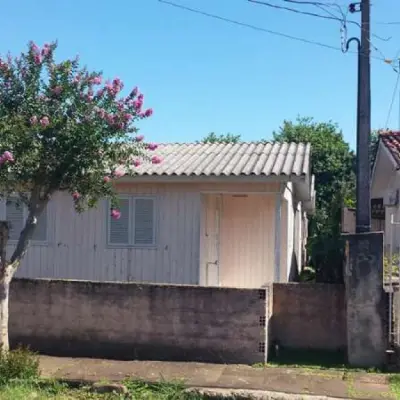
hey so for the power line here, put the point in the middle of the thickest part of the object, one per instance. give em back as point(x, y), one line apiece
point(311, 14)
point(343, 20)
point(393, 99)
point(258, 28)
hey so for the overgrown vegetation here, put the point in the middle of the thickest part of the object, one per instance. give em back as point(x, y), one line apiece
point(391, 266)
point(19, 364)
point(44, 390)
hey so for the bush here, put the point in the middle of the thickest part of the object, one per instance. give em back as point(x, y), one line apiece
point(19, 364)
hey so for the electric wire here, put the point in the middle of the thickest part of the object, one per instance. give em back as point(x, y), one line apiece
point(393, 99)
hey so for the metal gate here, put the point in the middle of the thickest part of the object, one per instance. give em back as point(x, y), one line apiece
point(391, 268)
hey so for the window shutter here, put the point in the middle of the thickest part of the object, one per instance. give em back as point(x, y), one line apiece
point(119, 228)
point(144, 222)
point(40, 233)
point(15, 217)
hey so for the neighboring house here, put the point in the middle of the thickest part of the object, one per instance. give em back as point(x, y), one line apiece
point(385, 186)
point(209, 214)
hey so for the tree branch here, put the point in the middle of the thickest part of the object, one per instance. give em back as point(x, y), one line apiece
point(36, 207)
point(4, 231)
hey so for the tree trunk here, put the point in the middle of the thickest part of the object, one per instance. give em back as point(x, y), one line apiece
point(4, 296)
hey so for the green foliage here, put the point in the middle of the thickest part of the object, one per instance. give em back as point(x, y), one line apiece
point(373, 148)
point(19, 364)
point(307, 275)
point(44, 390)
point(64, 129)
point(223, 138)
point(391, 266)
point(333, 166)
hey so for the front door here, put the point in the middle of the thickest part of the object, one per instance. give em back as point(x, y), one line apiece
point(247, 240)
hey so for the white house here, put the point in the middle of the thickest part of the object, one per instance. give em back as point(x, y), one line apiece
point(209, 214)
point(385, 187)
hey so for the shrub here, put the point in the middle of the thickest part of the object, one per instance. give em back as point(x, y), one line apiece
point(18, 364)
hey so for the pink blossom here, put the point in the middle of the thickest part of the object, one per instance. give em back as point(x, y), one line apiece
point(137, 105)
point(156, 160)
point(8, 156)
point(136, 163)
point(101, 113)
point(128, 117)
point(57, 90)
point(100, 92)
point(77, 79)
point(118, 83)
point(76, 195)
point(116, 214)
point(141, 97)
point(106, 179)
point(34, 47)
point(33, 120)
point(110, 89)
point(44, 121)
point(151, 146)
point(37, 59)
point(109, 118)
point(148, 112)
point(139, 138)
point(134, 92)
point(46, 50)
point(119, 172)
point(96, 80)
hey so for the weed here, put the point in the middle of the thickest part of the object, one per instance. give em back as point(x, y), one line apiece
point(19, 364)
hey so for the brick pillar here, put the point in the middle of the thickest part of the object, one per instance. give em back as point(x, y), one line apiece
point(366, 311)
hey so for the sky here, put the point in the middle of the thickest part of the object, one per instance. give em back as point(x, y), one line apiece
point(203, 75)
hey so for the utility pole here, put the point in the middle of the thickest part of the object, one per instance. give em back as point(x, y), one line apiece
point(363, 189)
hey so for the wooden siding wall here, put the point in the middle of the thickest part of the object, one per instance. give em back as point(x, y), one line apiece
point(77, 246)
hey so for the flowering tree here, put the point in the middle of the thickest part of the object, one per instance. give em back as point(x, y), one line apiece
point(61, 130)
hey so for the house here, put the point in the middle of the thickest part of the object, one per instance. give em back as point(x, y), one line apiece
point(209, 214)
point(385, 186)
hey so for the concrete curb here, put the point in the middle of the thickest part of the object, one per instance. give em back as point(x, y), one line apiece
point(259, 394)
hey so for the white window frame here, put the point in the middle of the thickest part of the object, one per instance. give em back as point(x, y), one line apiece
point(25, 213)
point(131, 232)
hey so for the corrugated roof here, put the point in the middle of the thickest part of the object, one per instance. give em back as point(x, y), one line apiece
point(221, 159)
point(391, 139)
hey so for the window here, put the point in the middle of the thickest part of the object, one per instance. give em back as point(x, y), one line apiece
point(136, 226)
point(16, 215)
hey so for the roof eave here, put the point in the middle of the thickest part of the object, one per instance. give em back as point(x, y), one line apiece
point(213, 179)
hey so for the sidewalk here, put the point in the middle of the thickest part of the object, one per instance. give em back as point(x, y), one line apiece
point(328, 383)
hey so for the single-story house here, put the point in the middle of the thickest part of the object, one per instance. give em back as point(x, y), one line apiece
point(209, 214)
point(385, 187)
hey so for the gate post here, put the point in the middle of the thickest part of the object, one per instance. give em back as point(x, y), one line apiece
point(366, 305)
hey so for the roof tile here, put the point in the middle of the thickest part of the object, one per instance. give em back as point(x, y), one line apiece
point(221, 159)
point(391, 140)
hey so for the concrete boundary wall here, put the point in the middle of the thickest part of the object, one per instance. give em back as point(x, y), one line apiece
point(309, 316)
point(140, 321)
